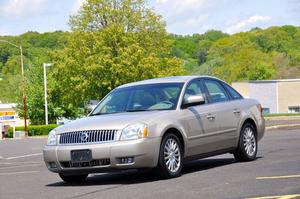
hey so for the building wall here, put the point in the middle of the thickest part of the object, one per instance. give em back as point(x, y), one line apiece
point(242, 88)
point(288, 95)
point(265, 93)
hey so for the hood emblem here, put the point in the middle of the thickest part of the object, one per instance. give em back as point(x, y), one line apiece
point(84, 136)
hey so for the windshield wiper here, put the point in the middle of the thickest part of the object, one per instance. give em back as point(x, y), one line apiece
point(95, 114)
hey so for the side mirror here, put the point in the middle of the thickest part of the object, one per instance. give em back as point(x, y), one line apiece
point(193, 100)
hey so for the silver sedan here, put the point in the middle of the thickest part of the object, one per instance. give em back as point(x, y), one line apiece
point(157, 123)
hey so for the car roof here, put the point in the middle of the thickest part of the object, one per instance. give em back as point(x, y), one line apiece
point(171, 79)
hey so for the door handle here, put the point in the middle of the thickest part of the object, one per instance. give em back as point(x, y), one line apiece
point(210, 117)
point(236, 111)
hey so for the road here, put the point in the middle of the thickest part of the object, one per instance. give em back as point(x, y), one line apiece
point(276, 172)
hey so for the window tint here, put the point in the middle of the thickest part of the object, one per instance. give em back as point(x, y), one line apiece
point(193, 89)
point(216, 91)
point(234, 94)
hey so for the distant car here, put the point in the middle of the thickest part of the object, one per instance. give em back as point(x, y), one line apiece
point(157, 123)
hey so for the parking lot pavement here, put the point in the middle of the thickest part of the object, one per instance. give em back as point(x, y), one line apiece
point(275, 174)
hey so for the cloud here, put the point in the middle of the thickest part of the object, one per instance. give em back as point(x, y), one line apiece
point(22, 8)
point(161, 1)
point(4, 32)
point(196, 24)
point(244, 23)
point(183, 17)
point(77, 5)
point(172, 8)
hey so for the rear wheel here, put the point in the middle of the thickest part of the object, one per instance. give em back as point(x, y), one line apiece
point(247, 147)
point(170, 156)
point(73, 178)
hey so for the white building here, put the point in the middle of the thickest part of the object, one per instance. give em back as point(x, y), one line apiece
point(275, 96)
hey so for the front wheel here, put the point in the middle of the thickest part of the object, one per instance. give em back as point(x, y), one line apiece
point(170, 156)
point(247, 147)
point(73, 178)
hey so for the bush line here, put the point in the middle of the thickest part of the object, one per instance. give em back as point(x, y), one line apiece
point(34, 130)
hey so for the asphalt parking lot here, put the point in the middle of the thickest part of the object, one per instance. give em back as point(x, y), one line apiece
point(275, 174)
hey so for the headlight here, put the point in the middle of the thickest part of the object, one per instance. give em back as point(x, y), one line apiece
point(134, 131)
point(51, 138)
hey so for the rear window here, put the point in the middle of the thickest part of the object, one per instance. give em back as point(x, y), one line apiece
point(234, 94)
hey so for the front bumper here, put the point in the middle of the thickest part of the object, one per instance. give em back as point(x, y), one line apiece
point(144, 151)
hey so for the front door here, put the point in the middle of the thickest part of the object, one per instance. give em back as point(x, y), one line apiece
point(198, 121)
point(227, 114)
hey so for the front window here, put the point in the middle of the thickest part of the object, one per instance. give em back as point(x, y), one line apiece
point(216, 91)
point(140, 98)
point(194, 89)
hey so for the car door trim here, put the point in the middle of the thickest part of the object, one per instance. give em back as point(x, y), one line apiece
point(212, 134)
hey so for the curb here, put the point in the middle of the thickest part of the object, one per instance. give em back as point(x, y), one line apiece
point(282, 126)
point(296, 117)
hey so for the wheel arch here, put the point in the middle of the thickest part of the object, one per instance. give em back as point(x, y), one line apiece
point(180, 136)
point(252, 122)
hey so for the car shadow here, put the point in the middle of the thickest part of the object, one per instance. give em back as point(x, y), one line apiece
point(138, 177)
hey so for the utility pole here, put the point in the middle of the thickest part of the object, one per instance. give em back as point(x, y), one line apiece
point(24, 92)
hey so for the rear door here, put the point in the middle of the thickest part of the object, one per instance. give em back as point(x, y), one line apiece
point(227, 113)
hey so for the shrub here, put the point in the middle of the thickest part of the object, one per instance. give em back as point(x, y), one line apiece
point(34, 130)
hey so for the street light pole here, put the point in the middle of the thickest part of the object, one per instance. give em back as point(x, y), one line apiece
point(23, 84)
point(45, 91)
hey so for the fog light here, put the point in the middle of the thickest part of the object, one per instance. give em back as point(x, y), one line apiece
point(51, 165)
point(126, 160)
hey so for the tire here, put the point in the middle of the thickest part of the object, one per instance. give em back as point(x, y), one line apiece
point(73, 178)
point(170, 157)
point(247, 147)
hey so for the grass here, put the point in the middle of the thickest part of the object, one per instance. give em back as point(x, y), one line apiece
point(281, 114)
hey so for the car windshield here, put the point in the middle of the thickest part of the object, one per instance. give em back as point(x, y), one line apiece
point(140, 98)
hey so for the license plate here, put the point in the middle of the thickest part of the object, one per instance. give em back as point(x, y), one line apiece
point(81, 156)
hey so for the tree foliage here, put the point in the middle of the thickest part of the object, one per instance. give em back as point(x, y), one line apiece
point(36, 49)
point(113, 42)
point(256, 54)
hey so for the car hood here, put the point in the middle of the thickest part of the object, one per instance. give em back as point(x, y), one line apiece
point(115, 121)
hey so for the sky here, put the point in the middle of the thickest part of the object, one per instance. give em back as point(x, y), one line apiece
point(181, 16)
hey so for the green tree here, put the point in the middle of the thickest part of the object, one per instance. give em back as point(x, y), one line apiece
point(113, 42)
point(238, 59)
point(204, 45)
point(11, 90)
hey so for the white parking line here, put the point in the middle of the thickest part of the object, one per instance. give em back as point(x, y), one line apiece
point(23, 156)
point(20, 172)
point(293, 196)
point(17, 163)
point(12, 167)
point(277, 177)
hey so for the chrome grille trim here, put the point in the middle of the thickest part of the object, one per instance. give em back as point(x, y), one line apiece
point(93, 136)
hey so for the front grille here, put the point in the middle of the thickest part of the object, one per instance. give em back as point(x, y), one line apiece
point(93, 163)
point(90, 136)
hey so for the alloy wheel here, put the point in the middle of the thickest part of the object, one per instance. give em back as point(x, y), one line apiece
point(172, 155)
point(249, 141)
